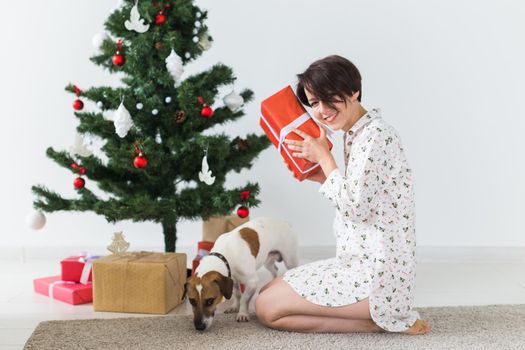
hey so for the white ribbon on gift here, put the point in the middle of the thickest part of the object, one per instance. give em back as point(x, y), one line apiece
point(288, 129)
point(87, 259)
point(53, 284)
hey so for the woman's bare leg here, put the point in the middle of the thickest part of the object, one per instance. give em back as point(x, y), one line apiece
point(279, 306)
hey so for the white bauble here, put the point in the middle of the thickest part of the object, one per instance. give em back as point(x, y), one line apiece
point(98, 39)
point(139, 106)
point(35, 220)
point(233, 101)
point(167, 99)
point(100, 104)
point(155, 111)
point(195, 39)
point(122, 120)
point(174, 66)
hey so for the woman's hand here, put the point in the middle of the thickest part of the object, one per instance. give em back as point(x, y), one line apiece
point(311, 148)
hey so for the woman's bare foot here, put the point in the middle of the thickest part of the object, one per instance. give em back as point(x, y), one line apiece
point(419, 327)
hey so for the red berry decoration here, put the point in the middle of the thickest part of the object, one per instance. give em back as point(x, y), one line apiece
point(118, 59)
point(79, 183)
point(140, 161)
point(243, 212)
point(78, 104)
point(160, 18)
point(206, 110)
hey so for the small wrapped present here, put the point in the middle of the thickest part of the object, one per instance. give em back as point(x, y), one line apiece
point(203, 249)
point(77, 268)
point(281, 113)
point(66, 291)
point(217, 225)
point(142, 282)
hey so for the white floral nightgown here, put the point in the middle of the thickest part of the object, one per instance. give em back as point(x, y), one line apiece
point(374, 228)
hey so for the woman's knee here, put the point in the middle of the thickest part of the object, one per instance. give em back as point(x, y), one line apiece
point(265, 308)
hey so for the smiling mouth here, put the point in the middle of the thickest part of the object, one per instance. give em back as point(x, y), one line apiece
point(331, 118)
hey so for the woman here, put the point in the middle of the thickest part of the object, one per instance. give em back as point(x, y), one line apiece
point(369, 285)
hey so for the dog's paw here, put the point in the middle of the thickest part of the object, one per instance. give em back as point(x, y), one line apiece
point(242, 317)
point(232, 310)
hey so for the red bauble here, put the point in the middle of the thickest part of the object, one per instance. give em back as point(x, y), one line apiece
point(78, 104)
point(207, 112)
point(118, 59)
point(243, 212)
point(79, 182)
point(140, 161)
point(159, 19)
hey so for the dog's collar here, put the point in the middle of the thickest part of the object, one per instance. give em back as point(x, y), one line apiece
point(220, 256)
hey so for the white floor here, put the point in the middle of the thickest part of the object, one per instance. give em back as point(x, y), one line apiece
point(438, 284)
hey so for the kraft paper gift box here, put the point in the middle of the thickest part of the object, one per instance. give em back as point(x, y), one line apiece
point(66, 291)
point(77, 268)
point(217, 225)
point(141, 282)
point(281, 113)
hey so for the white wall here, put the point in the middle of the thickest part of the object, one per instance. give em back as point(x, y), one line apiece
point(447, 74)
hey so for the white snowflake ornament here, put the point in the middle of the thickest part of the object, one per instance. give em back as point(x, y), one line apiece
point(174, 66)
point(135, 22)
point(122, 120)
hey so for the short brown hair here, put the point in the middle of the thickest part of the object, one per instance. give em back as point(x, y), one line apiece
point(328, 78)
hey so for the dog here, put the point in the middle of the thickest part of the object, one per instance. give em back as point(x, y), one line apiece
point(234, 259)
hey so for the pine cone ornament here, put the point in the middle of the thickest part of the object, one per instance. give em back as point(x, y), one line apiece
point(180, 117)
point(242, 145)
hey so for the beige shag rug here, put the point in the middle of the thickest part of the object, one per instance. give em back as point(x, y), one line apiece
point(465, 327)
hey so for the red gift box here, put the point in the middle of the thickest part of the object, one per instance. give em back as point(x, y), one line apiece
point(66, 291)
point(72, 269)
point(281, 113)
point(204, 249)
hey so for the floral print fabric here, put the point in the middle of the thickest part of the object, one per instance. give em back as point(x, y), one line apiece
point(374, 228)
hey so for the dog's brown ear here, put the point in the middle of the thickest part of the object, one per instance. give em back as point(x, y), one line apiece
point(225, 285)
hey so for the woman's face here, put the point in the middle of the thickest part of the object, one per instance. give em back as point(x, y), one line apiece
point(336, 118)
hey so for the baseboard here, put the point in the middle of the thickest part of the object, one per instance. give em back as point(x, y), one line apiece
point(307, 253)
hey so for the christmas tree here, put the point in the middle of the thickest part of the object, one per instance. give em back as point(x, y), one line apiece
point(159, 164)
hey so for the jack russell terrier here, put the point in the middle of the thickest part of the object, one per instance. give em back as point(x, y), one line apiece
point(235, 258)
